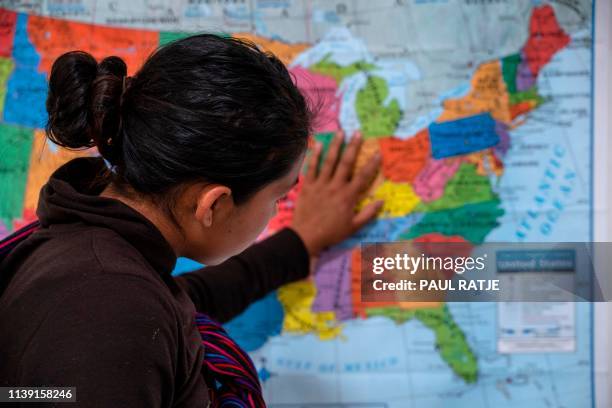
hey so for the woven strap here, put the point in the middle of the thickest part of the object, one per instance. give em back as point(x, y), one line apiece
point(10, 242)
point(228, 367)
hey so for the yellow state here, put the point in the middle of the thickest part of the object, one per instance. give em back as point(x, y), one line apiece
point(399, 199)
point(297, 299)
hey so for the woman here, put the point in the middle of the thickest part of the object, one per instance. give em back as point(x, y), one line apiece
point(197, 149)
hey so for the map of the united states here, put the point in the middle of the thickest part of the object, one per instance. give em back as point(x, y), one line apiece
point(440, 183)
point(435, 180)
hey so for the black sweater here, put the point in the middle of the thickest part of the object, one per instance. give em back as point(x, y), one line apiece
point(90, 300)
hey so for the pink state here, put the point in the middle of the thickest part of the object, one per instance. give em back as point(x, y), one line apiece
point(430, 182)
point(322, 93)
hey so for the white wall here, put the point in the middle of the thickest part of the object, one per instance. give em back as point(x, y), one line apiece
point(603, 189)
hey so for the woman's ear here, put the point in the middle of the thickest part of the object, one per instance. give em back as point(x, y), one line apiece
point(210, 200)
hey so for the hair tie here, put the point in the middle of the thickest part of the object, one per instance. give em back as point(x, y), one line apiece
point(124, 85)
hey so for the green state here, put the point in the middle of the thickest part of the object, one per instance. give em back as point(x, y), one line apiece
point(6, 67)
point(339, 72)
point(530, 94)
point(377, 118)
point(166, 37)
point(451, 342)
point(510, 66)
point(325, 139)
point(15, 147)
point(473, 222)
point(465, 187)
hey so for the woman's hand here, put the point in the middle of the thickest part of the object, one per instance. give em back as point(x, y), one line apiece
point(325, 213)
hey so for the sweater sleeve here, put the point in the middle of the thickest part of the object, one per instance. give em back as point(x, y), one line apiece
point(113, 339)
point(223, 291)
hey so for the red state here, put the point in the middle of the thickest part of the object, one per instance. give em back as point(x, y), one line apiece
point(438, 245)
point(437, 238)
point(28, 216)
point(52, 37)
point(8, 20)
point(285, 207)
point(546, 38)
point(403, 159)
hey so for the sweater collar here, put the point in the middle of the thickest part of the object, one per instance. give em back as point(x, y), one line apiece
point(72, 195)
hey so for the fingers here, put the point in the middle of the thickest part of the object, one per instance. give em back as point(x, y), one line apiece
point(366, 214)
point(347, 161)
point(313, 162)
point(362, 180)
point(327, 169)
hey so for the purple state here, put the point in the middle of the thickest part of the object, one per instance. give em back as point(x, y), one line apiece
point(3, 230)
point(333, 281)
point(524, 77)
point(504, 139)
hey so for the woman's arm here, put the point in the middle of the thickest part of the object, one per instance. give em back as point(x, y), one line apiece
point(224, 291)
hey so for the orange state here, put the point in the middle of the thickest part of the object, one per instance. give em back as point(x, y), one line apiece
point(284, 51)
point(369, 147)
point(360, 308)
point(485, 161)
point(488, 93)
point(52, 37)
point(403, 159)
point(43, 162)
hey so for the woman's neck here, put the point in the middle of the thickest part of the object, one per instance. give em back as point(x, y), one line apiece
point(151, 212)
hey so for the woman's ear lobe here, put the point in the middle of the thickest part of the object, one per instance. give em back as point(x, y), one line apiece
point(204, 216)
point(208, 218)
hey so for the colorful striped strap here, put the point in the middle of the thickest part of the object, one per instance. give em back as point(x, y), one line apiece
point(228, 370)
point(10, 242)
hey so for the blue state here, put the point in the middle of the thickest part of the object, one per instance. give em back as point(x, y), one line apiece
point(26, 87)
point(462, 136)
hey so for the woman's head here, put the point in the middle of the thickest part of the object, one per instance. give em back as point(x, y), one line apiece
point(211, 130)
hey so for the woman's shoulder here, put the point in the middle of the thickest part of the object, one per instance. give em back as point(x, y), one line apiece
point(79, 266)
point(72, 299)
point(79, 251)
point(106, 329)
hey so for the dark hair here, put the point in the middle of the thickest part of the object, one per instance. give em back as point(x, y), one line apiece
point(203, 108)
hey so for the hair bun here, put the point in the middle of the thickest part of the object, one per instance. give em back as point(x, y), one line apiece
point(84, 101)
